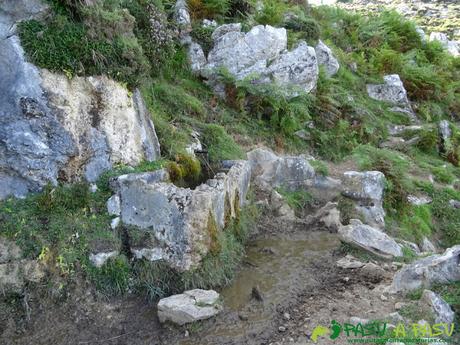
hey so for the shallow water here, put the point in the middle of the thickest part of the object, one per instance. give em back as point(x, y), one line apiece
point(278, 267)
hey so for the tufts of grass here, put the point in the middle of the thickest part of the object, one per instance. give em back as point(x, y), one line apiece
point(446, 218)
point(220, 145)
point(297, 200)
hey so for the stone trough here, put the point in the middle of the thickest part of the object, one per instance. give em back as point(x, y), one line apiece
point(174, 224)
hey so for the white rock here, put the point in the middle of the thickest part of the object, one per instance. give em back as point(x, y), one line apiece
point(366, 189)
point(114, 205)
point(427, 271)
point(115, 223)
point(99, 259)
point(327, 59)
point(297, 69)
point(189, 307)
point(419, 200)
point(428, 246)
point(443, 312)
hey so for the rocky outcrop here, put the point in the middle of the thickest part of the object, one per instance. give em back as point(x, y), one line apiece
point(366, 189)
point(53, 128)
point(327, 59)
point(425, 272)
point(370, 239)
point(191, 306)
point(441, 309)
point(392, 91)
point(261, 54)
point(297, 70)
point(107, 125)
point(179, 225)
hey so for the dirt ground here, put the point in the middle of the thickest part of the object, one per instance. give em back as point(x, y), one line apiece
point(316, 293)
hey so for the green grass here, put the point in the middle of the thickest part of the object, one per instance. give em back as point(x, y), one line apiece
point(298, 200)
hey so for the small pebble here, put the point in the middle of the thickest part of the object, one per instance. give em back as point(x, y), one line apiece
point(287, 316)
point(282, 329)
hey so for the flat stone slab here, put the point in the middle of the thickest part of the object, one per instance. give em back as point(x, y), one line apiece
point(191, 306)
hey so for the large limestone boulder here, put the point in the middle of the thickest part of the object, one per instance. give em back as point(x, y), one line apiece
point(53, 128)
point(366, 189)
point(246, 53)
point(262, 55)
point(370, 239)
point(327, 59)
point(179, 225)
point(82, 128)
point(441, 309)
point(425, 272)
point(191, 306)
point(297, 69)
point(108, 125)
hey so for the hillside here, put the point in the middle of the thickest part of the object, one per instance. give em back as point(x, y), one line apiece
point(303, 161)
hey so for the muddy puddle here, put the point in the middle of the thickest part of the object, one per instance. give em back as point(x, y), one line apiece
point(279, 269)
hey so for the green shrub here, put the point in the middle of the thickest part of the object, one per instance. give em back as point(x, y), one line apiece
point(416, 222)
point(271, 13)
point(113, 278)
point(306, 26)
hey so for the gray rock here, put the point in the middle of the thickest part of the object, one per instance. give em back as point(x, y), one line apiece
point(326, 218)
point(196, 57)
point(279, 206)
point(261, 54)
point(114, 205)
point(443, 312)
point(195, 144)
point(81, 128)
point(108, 125)
point(99, 259)
point(178, 220)
point(392, 91)
point(297, 69)
point(427, 271)
point(427, 246)
point(34, 146)
point(209, 23)
point(243, 54)
point(327, 59)
point(349, 262)
point(373, 272)
point(370, 239)
point(271, 171)
point(366, 189)
point(399, 129)
point(419, 200)
point(191, 306)
point(454, 204)
point(182, 16)
point(115, 222)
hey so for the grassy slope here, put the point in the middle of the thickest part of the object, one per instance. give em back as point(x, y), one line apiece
point(347, 123)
